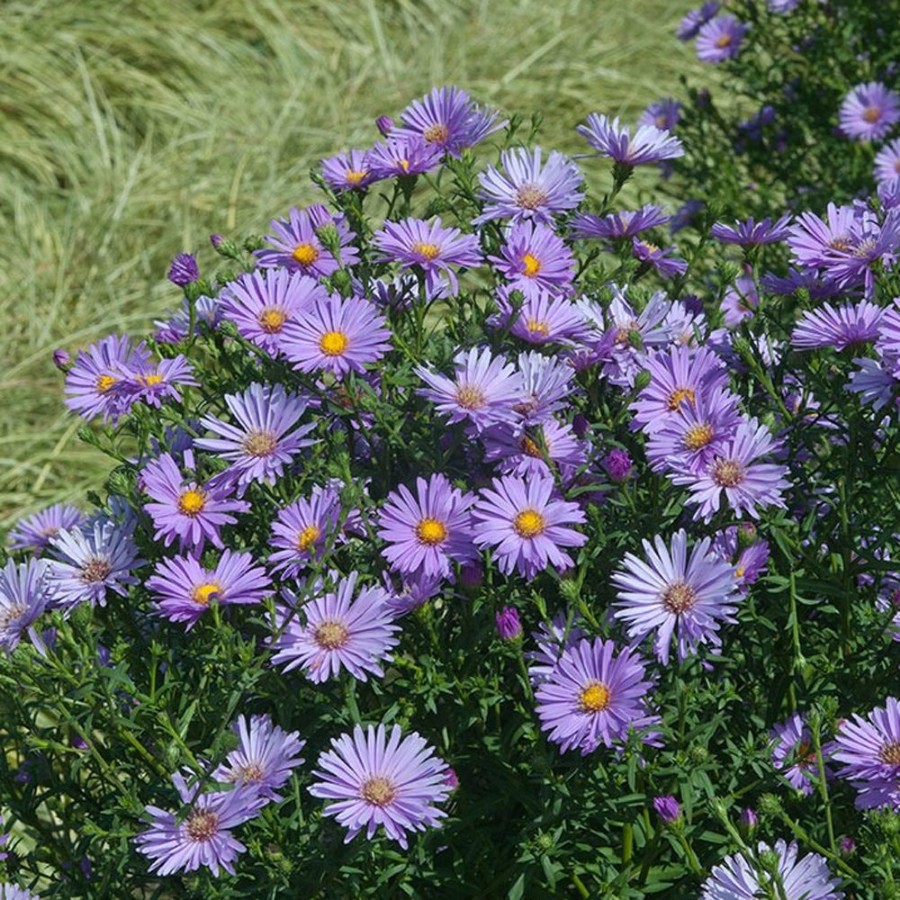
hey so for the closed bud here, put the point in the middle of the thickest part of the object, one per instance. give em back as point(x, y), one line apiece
point(748, 822)
point(698, 755)
point(636, 341)
point(618, 465)
point(570, 591)
point(769, 860)
point(331, 240)
point(183, 269)
point(746, 535)
point(385, 124)
point(225, 247)
point(509, 625)
point(580, 426)
point(667, 808)
point(847, 846)
point(642, 379)
point(741, 346)
point(471, 576)
point(544, 842)
point(253, 243)
point(62, 359)
point(770, 805)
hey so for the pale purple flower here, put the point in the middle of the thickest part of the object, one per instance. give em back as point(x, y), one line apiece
point(695, 18)
point(887, 163)
point(750, 233)
point(25, 592)
point(534, 257)
point(207, 313)
point(403, 155)
point(301, 530)
point(153, 382)
point(14, 892)
point(633, 335)
point(720, 38)
point(34, 532)
point(740, 302)
point(546, 386)
point(416, 589)
point(542, 317)
point(349, 171)
point(869, 111)
point(373, 779)
point(649, 144)
point(793, 753)
point(617, 225)
point(841, 327)
point(813, 240)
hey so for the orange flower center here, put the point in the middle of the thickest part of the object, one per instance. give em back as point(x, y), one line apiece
point(470, 397)
point(678, 396)
point(429, 251)
point(305, 254)
point(532, 265)
point(272, 319)
point(202, 593)
point(331, 635)
point(307, 537)
point(871, 114)
point(889, 753)
point(354, 176)
point(431, 532)
point(698, 436)
point(727, 472)
point(436, 134)
point(536, 326)
point(104, 383)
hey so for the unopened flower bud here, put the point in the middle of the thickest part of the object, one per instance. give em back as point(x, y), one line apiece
point(451, 779)
point(385, 125)
point(748, 821)
point(746, 535)
point(635, 340)
point(770, 860)
point(471, 576)
point(847, 846)
point(770, 805)
point(62, 359)
point(618, 465)
point(580, 426)
point(183, 269)
point(509, 625)
point(667, 808)
point(642, 380)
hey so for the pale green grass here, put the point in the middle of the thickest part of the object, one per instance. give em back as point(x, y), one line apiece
point(130, 132)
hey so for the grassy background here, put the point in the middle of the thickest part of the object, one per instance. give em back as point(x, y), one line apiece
point(129, 131)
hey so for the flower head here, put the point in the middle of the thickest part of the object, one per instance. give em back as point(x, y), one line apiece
point(617, 225)
point(301, 530)
point(509, 625)
point(696, 18)
point(403, 155)
point(662, 114)
point(348, 171)
point(542, 317)
point(533, 257)
point(793, 753)
point(750, 233)
point(25, 592)
point(869, 111)
point(183, 270)
point(35, 532)
point(852, 323)
point(720, 38)
point(887, 163)
point(649, 144)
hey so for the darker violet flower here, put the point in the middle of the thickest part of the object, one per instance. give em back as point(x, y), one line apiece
point(534, 257)
point(695, 19)
point(403, 155)
point(385, 124)
point(841, 327)
point(748, 821)
point(542, 318)
point(869, 111)
point(34, 532)
point(663, 114)
point(649, 144)
point(152, 382)
point(667, 808)
point(349, 171)
point(720, 38)
point(615, 226)
point(618, 465)
point(793, 753)
point(62, 359)
point(750, 233)
point(661, 259)
point(509, 625)
point(183, 270)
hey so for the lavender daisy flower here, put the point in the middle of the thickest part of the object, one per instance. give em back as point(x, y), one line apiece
point(747, 483)
point(546, 386)
point(35, 532)
point(649, 144)
point(525, 454)
point(299, 248)
point(803, 878)
point(525, 527)
point(553, 639)
point(90, 563)
point(852, 323)
point(14, 892)
point(263, 442)
point(261, 303)
point(634, 335)
point(662, 114)
point(340, 631)
point(348, 171)
point(403, 155)
point(535, 257)
point(875, 385)
point(670, 593)
point(482, 391)
point(448, 119)
point(337, 335)
point(207, 313)
point(618, 225)
point(740, 302)
point(375, 779)
point(542, 318)
point(695, 19)
point(182, 508)
point(177, 843)
point(887, 163)
point(869, 111)
point(812, 240)
point(431, 248)
point(301, 530)
point(594, 696)
point(428, 532)
point(793, 754)
point(529, 190)
point(751, 233)
point(184, 588)
point(872, 243)
point(720, 38)
point(265, 756)
point(152, 382)
point(94, 382)
point(25, 592)
point(661, 259)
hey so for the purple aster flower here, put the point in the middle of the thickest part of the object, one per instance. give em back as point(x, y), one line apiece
point(740, 302)
point(796, 280)
point(428, 532)
point(546, 387)
point(852, 323)
point(747, 483)
point(781, 7)
point(887, 163)
point(417, 589)
point(25, 592)
point(540, 450)
point(618, 465)
point(265, 756)
point(542, 318)
point(207, 313)
point(94, 383)
point(374, 779)
point(448, 119)
point(535, 257)
point(509, 625)
point(695, 19)
point(632, 336)
point(525, 526)
point(673, 593)
point(300, 531)
point(299, 248)
point(720, 38)
point(429, 247)
point(617, 225)
point(871, 243)
point(337, 335)
point(482, 391)
point(803, 878)
point(661, 259)
point(184, 588)
point(88, 563)
point(812, 240)
point(793, 754)
point(649, 144)
point(182, 508)
point(340, 631)
point(177, 843)
point(152, 382)
point(875, 385)
point(869, 111)
point(662, 114)
point(348, 171)
point(750, 233)
point(749, 560)
point(14, 892)
point(403, 155)
point(183, 270)
point(264, 440)
point(529, 190)
point(35, 532)
point(262, 302)
point(553, 639)
point(594, 696)
point(868, 750)
point(667, 808)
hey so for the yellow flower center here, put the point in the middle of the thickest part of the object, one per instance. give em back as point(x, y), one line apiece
point(378, 791)
point(404, 164)
point(739, 572)
point(431, 532)
point(532, 265)
point(429, 251)
point(840, 242)
point(470, 397)
point(331, 635)
point(678, 396)
point(530, 448)
point(334, 343)
point(305, 254)
point(723, 41)
point(698, 436)
point(307, 537)
point(104, 383)
point(679, 597)
point(203, 592)
point(531, 196)
point(529, 523)
point(650, 248)
point(536, 326)
point(191, 502)
point(201, 826)
point(272, 319)
point(871, 114)
point(594, 698)
point(354, 176)
point(260, 443)
point(151, 379)
point(436, 134)
point(727, 472)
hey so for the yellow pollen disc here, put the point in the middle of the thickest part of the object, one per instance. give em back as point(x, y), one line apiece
point(739, 572)
point(260, 443)
point(532, 265)
point(535, 326)
point(723, 41)
point(871, 114)
point(661, 121)
point(470, 397)
point(334, 343)
point(305, 254)
point(104, 383)
point(191, 502)
point(150, 380)
point(651, 248)
point(331, 635)
point(201, 826)
point(679, 597)
point(595, 697)
point(307, 537)
point(431, 532)
point(271, 319)
point(429, 251)
point(698, 436)
point(841, 242)
point(531, 196)
point(354, 177)
point(889, 754)
point(203, 592)
point(530, 448)
point(727, 472)
point(378, 791)
point(436, 134)
point(404, 164)
point(529, 523)
point(678, 396)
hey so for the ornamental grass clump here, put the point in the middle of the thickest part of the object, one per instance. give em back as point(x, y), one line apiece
point(456, 545)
